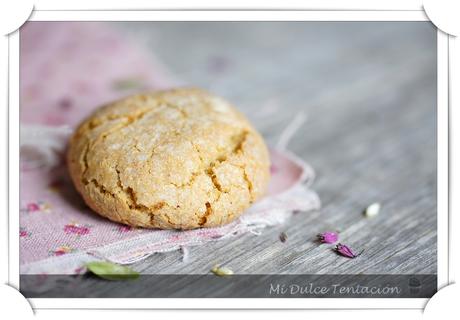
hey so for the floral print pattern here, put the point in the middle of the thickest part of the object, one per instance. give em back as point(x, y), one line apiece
point(39, 206)
point(23, 233)
point(123, 228)
point(61, 251)
point(77, 229)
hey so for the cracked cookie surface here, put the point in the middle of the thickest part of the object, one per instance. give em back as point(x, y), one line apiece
point(176, 159)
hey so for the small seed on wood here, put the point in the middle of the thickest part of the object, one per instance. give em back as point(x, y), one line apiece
point(283, 237)
point(221, 271)
point(372, 210)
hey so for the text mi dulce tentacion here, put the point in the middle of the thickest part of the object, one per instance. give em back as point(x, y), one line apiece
point(333, 289)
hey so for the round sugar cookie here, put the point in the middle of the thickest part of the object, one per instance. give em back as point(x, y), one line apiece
point(176, 159)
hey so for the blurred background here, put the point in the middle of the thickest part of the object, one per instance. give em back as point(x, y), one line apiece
point(268, 67)
point(366, 89)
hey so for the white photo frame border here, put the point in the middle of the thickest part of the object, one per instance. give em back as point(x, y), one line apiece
point(237, 303)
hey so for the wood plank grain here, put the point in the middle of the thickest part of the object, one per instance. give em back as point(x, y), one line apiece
point(369, 90)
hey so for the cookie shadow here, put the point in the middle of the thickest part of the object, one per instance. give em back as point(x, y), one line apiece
point(63, 185)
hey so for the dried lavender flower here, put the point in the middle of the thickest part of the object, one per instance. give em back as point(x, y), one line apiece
point(328, 237)
point(346, 251)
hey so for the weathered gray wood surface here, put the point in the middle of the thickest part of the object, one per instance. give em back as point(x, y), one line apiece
point(369, 91)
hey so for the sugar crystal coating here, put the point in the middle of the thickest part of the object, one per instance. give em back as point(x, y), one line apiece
point(176, 159)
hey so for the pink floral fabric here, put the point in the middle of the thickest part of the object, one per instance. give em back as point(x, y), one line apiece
point(67, 70)
point(56, 222)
